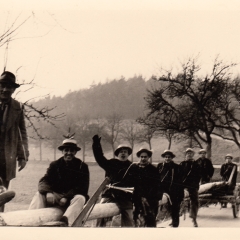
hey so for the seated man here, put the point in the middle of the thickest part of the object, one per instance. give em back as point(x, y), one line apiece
point(225, 172)
point(115, 169)
point(65, 184)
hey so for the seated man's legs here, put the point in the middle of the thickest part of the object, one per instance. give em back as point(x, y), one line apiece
point(74, 209)
point(38, 201)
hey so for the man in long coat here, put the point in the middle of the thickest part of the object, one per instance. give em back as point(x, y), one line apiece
point(190, 180)
point(65, 184)
point(169, 175)
point(143, 177)
point(13, 134)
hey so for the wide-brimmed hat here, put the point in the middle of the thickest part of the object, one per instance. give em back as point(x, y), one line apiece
point(189, 150)
point(69, 143)
point(141, 150)
point(165, 152)
point(117, 150)
point(229, 155)
point(202, 151)
point(9, 78)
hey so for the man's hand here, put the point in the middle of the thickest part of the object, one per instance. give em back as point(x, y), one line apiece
point(96, 139)
point(63, 202)
point(21, 164)
point(50, 198)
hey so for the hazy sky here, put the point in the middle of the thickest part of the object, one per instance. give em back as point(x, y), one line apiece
point(69, 44)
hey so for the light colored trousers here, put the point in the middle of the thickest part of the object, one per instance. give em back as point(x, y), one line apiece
point(72, 211)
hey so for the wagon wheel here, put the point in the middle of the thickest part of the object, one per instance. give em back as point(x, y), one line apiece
point(235, 208)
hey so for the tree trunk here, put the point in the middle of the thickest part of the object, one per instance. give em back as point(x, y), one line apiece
point(83, 151)
point(209, 147)
point(40, 149)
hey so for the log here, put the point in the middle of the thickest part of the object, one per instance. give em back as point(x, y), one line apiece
point(39, 217)
point(31, 218)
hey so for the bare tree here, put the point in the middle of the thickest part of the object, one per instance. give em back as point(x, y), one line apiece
point(188, 104)
point(113, 128)
point(131, 132)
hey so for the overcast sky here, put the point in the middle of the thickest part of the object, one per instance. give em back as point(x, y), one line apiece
point(69, 44)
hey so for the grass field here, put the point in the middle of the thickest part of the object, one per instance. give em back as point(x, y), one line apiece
point(26, 182)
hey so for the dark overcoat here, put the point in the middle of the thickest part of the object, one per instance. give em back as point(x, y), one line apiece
point(67, 179)
point(115, 169)
point(15, 137)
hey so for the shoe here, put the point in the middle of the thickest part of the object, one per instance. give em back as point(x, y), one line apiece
point(195, 223)
point(170, 224)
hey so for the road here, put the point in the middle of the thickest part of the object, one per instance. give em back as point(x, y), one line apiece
point(210, 217)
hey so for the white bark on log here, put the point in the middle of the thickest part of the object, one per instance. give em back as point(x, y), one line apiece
point(38, 217)
point(34, 218)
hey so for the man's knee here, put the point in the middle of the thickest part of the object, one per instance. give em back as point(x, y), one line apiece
point(78, 199)
point(38, 201)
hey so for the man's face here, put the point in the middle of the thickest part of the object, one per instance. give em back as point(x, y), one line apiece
point(189, 155)
point(123, 154)
point(144, 158)
point(168, 158)
point(202, 154)
point(69, 154)
point(228, 159)
point(6, 91)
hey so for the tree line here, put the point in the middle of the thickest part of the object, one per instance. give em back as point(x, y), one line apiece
point(181, 107)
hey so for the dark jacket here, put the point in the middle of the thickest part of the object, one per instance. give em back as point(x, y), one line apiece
point(69, 180)
point(145, 181)
point(14, 137)
point(114, 169)
point(170, 180)
point(190, 174)
point(207, 169)
point(226, 170)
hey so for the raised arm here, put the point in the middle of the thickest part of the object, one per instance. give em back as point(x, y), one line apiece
point(98, 153)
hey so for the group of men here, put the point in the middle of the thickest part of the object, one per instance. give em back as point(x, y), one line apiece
point(66, 181)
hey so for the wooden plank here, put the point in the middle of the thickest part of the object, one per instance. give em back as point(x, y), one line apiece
point(80, 219)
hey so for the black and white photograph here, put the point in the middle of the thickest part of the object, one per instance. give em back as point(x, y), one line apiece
point(120, 119)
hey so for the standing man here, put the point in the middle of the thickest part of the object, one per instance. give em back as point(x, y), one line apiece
point(206, 167)
point(13, 134)
point(169, 174)
point(115, 169)
point(225, 172)
point(190, 180)
point(65, 184)
point(143, 176)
